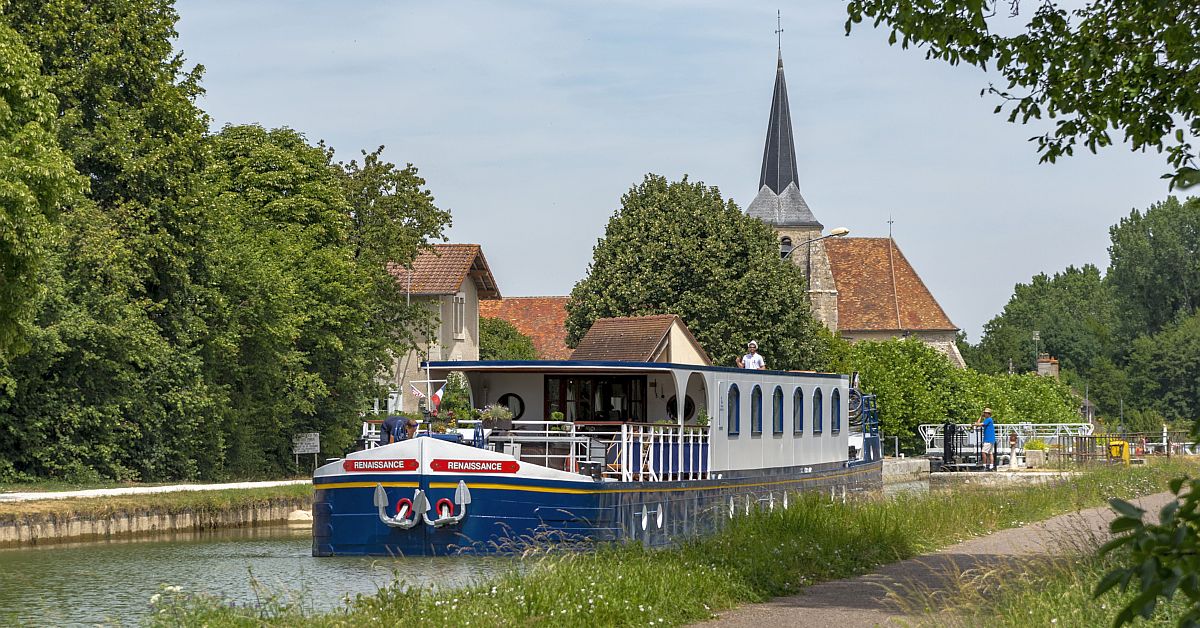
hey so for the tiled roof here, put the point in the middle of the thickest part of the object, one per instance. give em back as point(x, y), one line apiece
point(878, 290)
point(626, 338)
point(442, 269)
point(543, 319)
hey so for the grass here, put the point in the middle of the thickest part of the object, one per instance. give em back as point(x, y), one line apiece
point(755, 558)
point(169, 503)
point(1049, 592)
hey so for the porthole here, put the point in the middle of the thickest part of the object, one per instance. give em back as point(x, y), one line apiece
point(514, 403)
point(689, 408)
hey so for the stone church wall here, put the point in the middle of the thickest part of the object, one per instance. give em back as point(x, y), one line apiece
point(821, 290)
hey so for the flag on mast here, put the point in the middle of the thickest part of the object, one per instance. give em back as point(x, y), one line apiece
point(416, 391)
point(436, 400)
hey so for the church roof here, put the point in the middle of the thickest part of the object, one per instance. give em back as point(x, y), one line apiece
point(878, 290)
point(442, 269)
point(779, 201)
point(543, 319)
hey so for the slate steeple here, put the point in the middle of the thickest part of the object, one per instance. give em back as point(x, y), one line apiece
point(779, 202)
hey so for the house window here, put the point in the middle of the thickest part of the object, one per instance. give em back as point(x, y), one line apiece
point(460, 316)
point(835, 411)
point(818, 412)
point(756, 410)
point(777, 411)
point(785, 246)
point(798, 411)
point(734, 410)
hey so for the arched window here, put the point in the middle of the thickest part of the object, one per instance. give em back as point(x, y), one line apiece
point(756, 410)
point(818, 412)
point(798, 411)
point(835, 411)
point(785, 246)
point(734, 410)
point(777, 411)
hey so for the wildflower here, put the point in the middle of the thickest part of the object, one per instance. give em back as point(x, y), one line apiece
point(154, 599)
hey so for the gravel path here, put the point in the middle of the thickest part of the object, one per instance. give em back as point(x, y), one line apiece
point(139, 490)
point(867, 600)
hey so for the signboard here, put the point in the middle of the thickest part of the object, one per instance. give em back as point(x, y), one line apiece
point(368, 466)
point(475, 466)
point(306, 443)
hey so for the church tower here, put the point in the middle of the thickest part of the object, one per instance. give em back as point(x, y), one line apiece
point(780, 205)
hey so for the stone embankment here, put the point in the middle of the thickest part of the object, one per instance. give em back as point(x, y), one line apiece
point(113, 513)
point(903, 470)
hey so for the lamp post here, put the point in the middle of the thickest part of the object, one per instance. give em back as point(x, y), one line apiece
point(833, 233)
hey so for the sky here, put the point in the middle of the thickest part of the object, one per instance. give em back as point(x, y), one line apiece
point(529, 120)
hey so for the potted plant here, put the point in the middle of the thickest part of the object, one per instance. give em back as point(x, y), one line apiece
point(496, 416)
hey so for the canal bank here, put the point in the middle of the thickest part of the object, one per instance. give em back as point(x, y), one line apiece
point(56, 518)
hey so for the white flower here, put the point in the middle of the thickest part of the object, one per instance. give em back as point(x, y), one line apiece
point(154, 599)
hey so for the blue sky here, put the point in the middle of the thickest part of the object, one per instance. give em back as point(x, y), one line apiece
point(530, 119)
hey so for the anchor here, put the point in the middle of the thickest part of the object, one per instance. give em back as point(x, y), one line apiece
point(401, 520)
point(462, 497)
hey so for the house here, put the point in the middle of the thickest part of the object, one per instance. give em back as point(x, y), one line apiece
point(542, 319)
point(656, 338)
point(862, 288)
point(450, 279)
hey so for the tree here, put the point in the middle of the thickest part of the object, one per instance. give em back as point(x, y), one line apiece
point(1164, 370)
point(37, 178)
point(1073, 312)
point(680, 248)
point(500, 340)
point(1108, 67)
point(1155, 265)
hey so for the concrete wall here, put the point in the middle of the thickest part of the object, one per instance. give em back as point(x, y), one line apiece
point(898, 470)
point(681, 349)
point(35, 530)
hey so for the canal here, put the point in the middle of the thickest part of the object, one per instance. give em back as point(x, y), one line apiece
point(112, 582)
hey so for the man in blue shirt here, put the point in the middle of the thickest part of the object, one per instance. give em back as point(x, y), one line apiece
point(989, 439)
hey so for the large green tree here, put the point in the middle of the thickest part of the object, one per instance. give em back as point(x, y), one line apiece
point(36, 178)
point(1155, 265)
point(1164, 370)
point(680, 248)
point(1073, 313)
point(1105, 68)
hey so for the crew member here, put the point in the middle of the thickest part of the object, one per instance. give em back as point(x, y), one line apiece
point(752, 360)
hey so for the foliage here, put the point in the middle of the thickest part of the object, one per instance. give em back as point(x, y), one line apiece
point(1164, 370)
point(1155, 264)
point(37, 179)
point(765, 554)
point(680, 248)
point(1107, 66)
point(1073, 313)
point(495, 412)
point(917, 384)
point(457, 398)
point(500, 340)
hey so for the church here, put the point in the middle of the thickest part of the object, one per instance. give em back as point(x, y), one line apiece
point(862, 288)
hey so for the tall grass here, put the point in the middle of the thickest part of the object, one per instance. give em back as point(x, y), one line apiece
point(756, 557)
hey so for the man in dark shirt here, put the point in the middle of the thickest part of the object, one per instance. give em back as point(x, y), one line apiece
point(392, 430)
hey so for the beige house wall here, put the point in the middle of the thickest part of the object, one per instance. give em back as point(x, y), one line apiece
point(448, 345)
point(822, 293)
point(681, 350)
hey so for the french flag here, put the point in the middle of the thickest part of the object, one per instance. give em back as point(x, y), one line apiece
point(436, 400)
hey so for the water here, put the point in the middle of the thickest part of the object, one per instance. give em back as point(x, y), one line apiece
point(111, 582)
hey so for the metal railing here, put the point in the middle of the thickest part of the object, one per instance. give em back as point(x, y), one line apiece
point(613, 450)
point(971, 437)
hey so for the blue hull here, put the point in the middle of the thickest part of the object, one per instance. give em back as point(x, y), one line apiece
point(508, 513)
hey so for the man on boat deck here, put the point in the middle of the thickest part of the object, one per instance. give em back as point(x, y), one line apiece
point(752, 360)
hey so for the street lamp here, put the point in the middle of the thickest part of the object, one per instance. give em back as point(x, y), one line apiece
point(833, 233)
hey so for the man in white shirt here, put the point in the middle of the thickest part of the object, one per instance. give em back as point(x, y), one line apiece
point(752, 360)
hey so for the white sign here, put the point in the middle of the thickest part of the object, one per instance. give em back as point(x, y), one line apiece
point(307, 443)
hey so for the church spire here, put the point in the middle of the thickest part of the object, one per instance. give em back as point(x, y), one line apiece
point(779, 201)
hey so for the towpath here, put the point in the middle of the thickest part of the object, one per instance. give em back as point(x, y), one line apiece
point(868, 600)
point(138, 490)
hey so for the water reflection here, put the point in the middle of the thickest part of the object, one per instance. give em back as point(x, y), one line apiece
point(111, 582)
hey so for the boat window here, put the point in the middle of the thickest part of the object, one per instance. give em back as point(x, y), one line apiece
point(818, 412)
point(513, 402)
point(598, 398)
point(777, 411)
point(756, 410)
point(835, 411)
point(798, 411)
point(734, 410)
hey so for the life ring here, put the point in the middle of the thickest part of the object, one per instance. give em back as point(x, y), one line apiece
point(401, 503)
point(447, 511)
